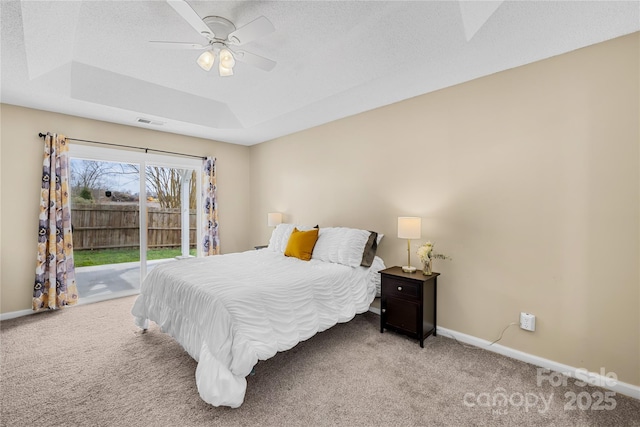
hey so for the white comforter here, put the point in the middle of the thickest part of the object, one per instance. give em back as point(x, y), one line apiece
point(229, 311)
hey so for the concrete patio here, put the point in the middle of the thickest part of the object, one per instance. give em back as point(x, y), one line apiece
point(101, 281)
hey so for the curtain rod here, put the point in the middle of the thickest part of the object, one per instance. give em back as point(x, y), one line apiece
point(146, 150)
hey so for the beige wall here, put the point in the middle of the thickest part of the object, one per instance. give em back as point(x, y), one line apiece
point(527, 178)
point(22, 170)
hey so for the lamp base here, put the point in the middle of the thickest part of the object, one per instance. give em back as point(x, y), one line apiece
point(408, 269)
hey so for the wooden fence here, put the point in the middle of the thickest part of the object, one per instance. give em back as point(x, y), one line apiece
point(117, 226)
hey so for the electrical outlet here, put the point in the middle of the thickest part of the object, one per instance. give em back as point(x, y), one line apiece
point(528, 321)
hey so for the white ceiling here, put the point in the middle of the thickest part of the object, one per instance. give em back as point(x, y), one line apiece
point(335, 58)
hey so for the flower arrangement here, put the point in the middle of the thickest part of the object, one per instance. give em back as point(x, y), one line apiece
point(427, 254)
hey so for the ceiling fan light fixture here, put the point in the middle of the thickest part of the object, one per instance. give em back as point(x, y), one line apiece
point(227, 62)
point(226, 59)
point(224, 71)
point(206, 59)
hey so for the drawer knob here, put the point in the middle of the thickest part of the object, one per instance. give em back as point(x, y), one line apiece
point(399, 288)
point(384, 310)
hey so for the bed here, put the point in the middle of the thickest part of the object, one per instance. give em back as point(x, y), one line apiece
point(230, 311)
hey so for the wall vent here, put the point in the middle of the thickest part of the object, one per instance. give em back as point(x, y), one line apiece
point(149, 122)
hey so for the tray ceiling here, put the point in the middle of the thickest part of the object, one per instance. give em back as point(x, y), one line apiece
point(335, 58)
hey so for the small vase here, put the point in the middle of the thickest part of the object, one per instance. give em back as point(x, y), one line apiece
point(426, 267)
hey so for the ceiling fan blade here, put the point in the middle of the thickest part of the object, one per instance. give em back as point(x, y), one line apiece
point(190, 15)
point(255, 60)
point(178, 45)
point(255, 29)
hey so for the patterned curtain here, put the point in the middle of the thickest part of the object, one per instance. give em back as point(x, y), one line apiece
point(210, 239)
point(55, 285)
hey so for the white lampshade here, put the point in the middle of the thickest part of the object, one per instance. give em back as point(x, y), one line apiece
point(224, 72)
point(274, 219)
point(227, 62)
point(409, 227)
point(205, 60)
point(226, 59)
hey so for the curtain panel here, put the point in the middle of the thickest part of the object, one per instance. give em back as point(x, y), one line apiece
point(210, 239)
point(55, 283)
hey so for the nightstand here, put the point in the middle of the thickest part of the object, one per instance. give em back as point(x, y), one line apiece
point(408, 303)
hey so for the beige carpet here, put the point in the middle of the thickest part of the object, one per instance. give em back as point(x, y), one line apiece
point(90, 366)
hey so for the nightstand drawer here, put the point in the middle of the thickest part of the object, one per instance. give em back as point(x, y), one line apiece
point(400, 288)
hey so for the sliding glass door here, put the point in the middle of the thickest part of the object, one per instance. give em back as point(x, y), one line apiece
point(105, 218)
point(130, 211)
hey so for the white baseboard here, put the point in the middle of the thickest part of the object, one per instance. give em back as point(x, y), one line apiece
point(14, 314)
point(375, 310)
point(590, 377)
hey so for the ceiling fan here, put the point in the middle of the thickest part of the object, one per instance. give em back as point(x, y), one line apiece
point(221, 35)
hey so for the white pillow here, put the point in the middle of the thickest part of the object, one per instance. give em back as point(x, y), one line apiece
point(280, 236)
point(340, 245)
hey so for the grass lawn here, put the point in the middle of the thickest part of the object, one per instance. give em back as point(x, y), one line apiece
point(84, 258)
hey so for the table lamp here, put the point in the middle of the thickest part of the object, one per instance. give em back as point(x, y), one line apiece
point(274, 219)
point(409, 227)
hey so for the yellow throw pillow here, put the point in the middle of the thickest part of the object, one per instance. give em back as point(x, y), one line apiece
point(301, 243)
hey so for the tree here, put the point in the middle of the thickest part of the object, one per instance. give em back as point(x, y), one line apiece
point(90, 178)
point(89, 175)
point(166, 185)
point(85, 193)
